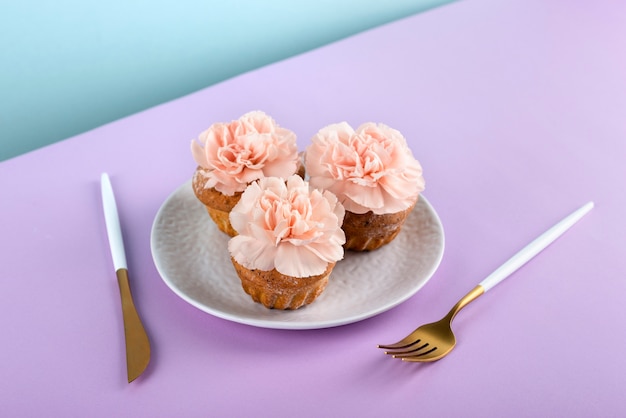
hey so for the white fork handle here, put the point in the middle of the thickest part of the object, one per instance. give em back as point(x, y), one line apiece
point(532, 249)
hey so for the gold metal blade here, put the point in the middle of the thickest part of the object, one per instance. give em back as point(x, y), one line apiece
point(137, 343)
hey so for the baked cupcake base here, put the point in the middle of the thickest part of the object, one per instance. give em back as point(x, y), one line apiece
point(369, 231)
point(222, 220)
point(278, 291)
point(217, 204)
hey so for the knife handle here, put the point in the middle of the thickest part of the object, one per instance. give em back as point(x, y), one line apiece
point(112, 220)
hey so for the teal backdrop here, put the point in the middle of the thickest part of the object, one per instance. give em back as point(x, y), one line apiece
point(68, 66)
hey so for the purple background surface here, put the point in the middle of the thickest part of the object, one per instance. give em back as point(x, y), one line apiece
point(515, 110)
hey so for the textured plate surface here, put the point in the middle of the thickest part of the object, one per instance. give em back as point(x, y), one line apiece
point(191, 256)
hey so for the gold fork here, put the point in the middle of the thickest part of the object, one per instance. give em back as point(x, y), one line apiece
point(433, 341)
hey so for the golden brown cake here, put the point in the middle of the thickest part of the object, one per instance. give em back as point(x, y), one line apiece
point(217, 204)
point(288, 240)
point(369, 231)
point(374, 175)
point(279, 291)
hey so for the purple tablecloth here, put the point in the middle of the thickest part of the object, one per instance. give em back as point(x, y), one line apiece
point(516, 110)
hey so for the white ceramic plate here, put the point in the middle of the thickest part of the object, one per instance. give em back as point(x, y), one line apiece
point(191, 256)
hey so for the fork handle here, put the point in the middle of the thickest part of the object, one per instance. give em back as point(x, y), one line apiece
point(532, 249)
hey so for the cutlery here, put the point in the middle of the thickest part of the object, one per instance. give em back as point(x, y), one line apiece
point(433, 341)
point(137, 343)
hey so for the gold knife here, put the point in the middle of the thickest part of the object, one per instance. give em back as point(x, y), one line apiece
point(137, 343)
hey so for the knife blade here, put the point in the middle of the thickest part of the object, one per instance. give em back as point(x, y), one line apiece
point(137, 342)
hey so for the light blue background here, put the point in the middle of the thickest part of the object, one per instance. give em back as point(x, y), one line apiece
point(68, 66)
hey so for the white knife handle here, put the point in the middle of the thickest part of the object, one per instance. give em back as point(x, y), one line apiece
point(534, 248)
point(112, 220)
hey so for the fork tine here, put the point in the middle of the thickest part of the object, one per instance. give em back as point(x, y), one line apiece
point(422, 351)
point(407, 341)
point(399, 345)
point(432, 356)
point(410, 350)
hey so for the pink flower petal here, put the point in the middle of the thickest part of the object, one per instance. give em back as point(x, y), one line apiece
point(371, 168)
point(251, 253)
point(298, 261)
point(299, 227)
point(245, 150)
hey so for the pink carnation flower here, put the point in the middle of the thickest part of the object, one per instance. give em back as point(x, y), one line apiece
point(287, 226)
point(370, 169)
point(237, 153)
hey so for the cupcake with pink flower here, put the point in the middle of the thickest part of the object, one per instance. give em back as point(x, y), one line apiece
point(374, 175)
point(232, 155)
point(288, 240)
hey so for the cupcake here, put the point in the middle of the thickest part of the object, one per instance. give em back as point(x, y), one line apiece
point(374, 175)
point(288, 240)
point(232, 155)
